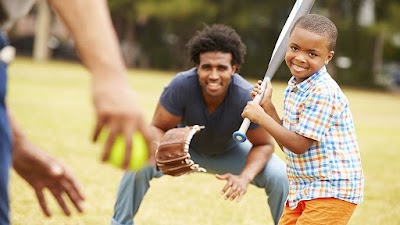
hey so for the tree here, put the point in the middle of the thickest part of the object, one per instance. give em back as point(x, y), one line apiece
point(42, 31)
point(383, 31)
point(128, 15)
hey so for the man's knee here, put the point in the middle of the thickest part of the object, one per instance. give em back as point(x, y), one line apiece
point(147, 173)
point(271, 180)
point(274, 181)
point(279, 177)
point(278, 182)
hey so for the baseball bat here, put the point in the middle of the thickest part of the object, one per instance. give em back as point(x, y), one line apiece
point(300, 8)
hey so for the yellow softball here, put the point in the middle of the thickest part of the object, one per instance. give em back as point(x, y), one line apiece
point(139, 154)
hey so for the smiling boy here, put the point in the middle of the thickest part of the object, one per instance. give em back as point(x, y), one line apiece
point(316, 131)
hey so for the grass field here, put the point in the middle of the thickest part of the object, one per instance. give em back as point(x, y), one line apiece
point(52, 103)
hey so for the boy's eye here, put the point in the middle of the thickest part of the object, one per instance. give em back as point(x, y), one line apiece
point(294, 48)
point(312, 54)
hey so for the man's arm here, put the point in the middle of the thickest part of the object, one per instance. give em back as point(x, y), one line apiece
point(91, 26)
point(42, 171)
point(163, 121)
point(261, 152)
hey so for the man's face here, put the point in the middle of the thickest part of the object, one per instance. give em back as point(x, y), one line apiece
point(307, 53)
point(215, 71)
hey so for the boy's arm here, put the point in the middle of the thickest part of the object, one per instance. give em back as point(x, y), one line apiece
point(266, 116)
point(266, 101)
point(296, 143)
point(271, 111)
point(267, 104)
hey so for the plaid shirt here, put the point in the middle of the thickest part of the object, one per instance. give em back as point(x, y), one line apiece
point(317, 109)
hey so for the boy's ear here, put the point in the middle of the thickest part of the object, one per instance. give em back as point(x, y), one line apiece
point(329, 57)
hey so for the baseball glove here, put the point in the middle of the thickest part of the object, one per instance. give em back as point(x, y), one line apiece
point(172, 155)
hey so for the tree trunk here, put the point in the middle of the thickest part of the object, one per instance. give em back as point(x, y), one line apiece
point(128, 44)
point(41, 52)
point(377, 64)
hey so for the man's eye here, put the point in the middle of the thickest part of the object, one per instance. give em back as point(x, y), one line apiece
point(222, 68)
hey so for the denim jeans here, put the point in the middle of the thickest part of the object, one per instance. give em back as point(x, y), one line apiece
point(272, 179)
point(5, 141)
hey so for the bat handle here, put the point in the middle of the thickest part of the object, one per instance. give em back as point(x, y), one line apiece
point(240, 135)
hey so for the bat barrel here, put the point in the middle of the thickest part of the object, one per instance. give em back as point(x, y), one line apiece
point(301, 7)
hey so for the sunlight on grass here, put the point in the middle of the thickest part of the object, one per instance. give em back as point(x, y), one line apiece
point(52, 102)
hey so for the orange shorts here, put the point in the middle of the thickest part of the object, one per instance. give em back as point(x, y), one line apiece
point(318, 211)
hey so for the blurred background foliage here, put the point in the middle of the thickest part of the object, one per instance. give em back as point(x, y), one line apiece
point(153, 34)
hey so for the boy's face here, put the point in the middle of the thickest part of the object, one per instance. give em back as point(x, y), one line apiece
point(215, 71)
point(307, 52)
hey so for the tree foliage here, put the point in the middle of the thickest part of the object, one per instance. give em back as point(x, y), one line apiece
point(161, 28)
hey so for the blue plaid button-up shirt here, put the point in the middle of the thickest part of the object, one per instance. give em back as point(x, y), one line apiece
point(317, 109)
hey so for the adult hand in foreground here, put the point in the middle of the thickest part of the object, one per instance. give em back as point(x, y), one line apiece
point(42, 171)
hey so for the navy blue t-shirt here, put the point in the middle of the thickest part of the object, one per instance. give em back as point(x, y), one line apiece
point(183, 97)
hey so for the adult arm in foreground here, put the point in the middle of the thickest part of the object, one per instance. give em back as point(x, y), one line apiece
point(115, 105)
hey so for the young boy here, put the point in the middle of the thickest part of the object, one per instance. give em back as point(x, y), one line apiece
point(316, 132)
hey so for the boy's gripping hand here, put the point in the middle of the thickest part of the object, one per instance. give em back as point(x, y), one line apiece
point(253, 111)
point(256, 89)
point(266, 100)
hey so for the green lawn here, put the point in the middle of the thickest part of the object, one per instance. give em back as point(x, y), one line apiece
point(52, 103)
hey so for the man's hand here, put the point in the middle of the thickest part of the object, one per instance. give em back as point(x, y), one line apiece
point(43, 171)
point(116, 110)
point(235, 187)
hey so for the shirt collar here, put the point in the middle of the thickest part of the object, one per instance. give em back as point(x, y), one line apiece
point(307, 83)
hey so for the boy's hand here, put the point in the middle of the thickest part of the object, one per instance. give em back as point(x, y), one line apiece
point(253, 111)
point(256, 89)
point(266, 101)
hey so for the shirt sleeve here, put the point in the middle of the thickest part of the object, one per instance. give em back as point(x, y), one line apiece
point(171, 98)
point(317, 114)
